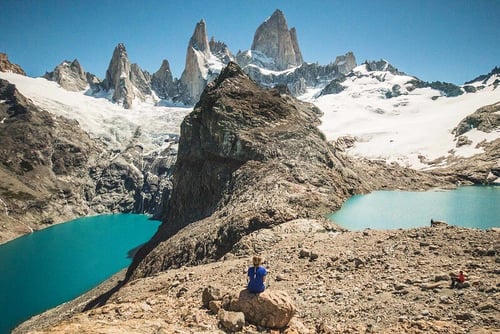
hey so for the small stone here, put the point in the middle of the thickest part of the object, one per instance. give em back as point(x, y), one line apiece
point(210, 293)
point(215, 306)
point(233, 321)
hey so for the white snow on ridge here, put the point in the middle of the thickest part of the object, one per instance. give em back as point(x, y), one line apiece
point(102, 118)
point(401, 128)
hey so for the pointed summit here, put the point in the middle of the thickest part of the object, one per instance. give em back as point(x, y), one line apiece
point(162, 81)
point(127, 80)
point(117, 77)
point(201, 65)
point(199, 40)
point(274, 40)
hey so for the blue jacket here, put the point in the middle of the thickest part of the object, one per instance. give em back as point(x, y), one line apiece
point(256, 282)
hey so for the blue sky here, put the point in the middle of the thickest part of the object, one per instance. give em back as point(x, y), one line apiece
point(445, 40)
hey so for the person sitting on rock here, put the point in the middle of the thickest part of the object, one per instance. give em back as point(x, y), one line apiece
point(457, 281)
point(256, 276)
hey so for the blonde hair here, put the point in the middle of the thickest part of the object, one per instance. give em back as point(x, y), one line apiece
point(257, 261)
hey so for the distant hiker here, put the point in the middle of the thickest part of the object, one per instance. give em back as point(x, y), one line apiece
point(457, 280)
point(256, 276)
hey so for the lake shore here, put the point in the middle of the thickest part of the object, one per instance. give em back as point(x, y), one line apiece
point(383, 281)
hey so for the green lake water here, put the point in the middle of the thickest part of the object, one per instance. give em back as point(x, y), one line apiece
point(467, 206)
point(54, 265)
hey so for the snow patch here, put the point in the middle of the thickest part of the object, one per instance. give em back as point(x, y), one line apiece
point(407, 129)
point(110, 122)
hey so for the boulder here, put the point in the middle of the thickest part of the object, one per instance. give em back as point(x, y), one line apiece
point(270, 309)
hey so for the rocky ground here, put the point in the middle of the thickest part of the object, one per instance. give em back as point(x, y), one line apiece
point(340, 282)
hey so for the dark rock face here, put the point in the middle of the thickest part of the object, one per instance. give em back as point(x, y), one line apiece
point(70, 75)
point(45, 163)
point(7, 66)
point(334, 87)
point(446, 88)
point(274, 40)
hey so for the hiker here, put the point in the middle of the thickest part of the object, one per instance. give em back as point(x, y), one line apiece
point(256, 276)
point(457, 280)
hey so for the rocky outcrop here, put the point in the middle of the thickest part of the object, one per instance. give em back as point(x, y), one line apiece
point(382, 65)
point(70, 76)
point(127, 81)
point(193, 79)
point(141, 80)
point(345, 63)
point(485, 119)
point(273, 39)
point(236, 133)
point(7, 66)
point(486, 78)
point(162, 82)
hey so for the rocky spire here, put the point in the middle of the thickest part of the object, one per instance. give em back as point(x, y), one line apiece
point(274, 40)
point(7, 66)
point(70, 75)
point(194, 77)
point(199, 40)
point(118, 77)
point(162, 81)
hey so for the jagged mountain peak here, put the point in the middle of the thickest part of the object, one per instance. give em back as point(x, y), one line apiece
point(70, 75)
point(274, 40)
point(199, 40)
point(162, 81)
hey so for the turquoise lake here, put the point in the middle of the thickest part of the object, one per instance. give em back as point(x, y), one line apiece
point(467, 206)
point(49, 267)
